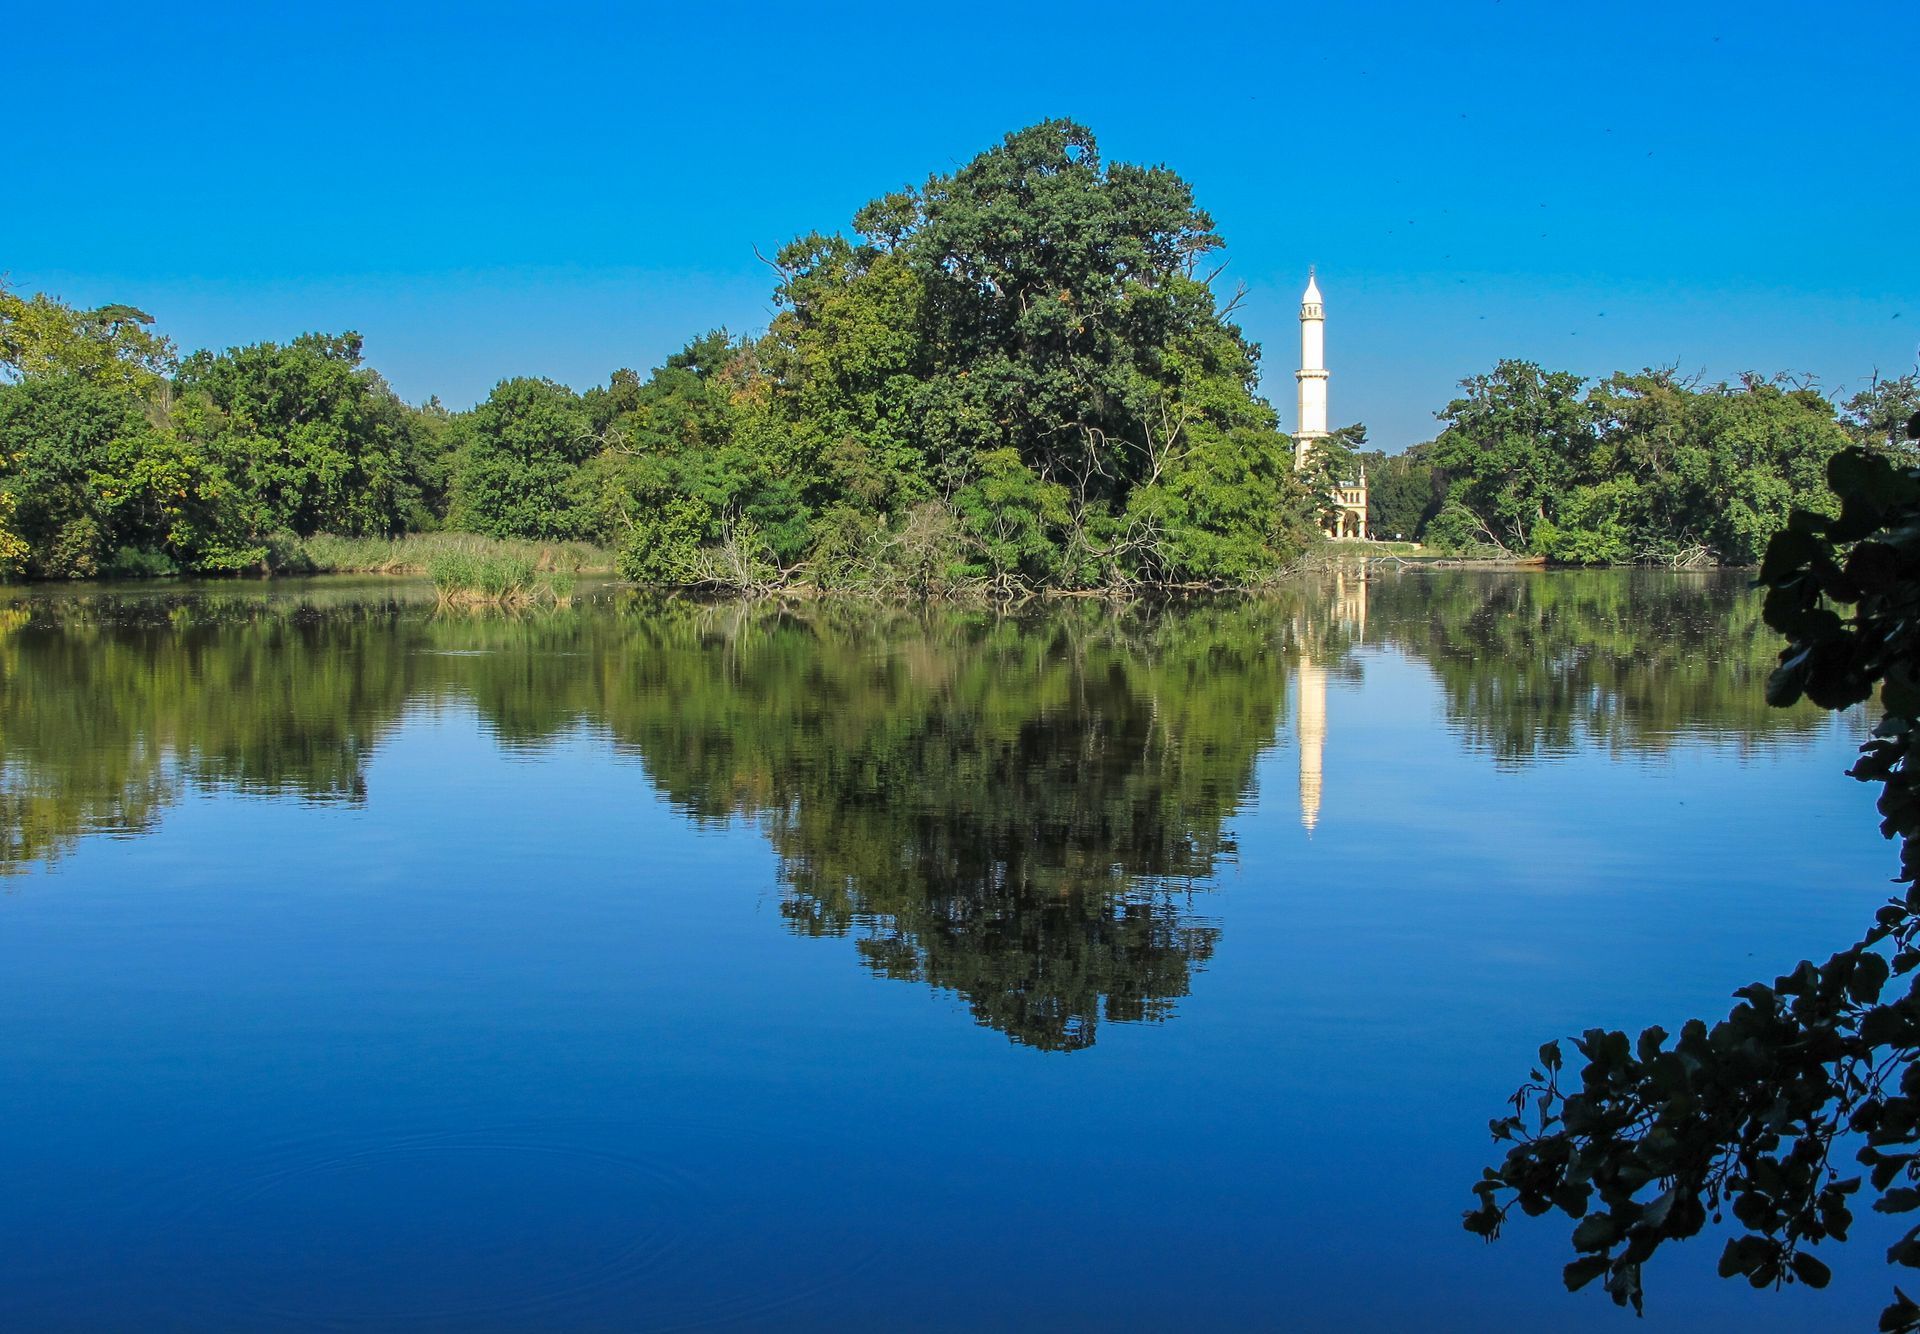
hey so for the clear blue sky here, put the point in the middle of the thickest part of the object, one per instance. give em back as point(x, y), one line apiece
point(485, 192)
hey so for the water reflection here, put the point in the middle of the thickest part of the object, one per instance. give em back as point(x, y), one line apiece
point(1016, 811)
point(1024, 812)
point(1534, 666)
point(1325, 630)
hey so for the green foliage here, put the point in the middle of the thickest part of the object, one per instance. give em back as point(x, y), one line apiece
point(465, 577)
point(55, 433)
point(516, 458)
point(1877, 417)
point(132, 563)
point(310, 440)
point(1595, 525)
point(664, 544)
point(14, 550)
point(1404, 492)
point(44, 338)
point(1021, 345)
point(1642, 467)
point(1456, 530)
point(1748, 1117)
point(1025, 343)
point(104, 455)
point(1055, 284)
point(1012, 519)
point(1216, 514)
point(1747, 455)
point(1013, 377)
point(1512, 447)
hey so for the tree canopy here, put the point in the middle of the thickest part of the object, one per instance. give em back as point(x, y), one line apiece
point(117, 457)
point(1641, 467)
point(1014, 376)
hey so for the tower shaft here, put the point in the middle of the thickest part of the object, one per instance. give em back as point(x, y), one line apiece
point(1312, 375)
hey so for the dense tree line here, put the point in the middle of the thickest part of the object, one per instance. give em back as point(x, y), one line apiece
point(117, 456)
point(1641, 467)
point(1015, 376)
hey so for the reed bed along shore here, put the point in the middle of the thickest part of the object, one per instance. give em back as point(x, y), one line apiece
point(419, 553)
point(497, 579)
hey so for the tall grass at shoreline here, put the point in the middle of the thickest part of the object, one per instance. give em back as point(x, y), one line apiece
point(497, 579)
point(420, 553)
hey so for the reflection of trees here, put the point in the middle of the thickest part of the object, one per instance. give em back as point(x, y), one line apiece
point(110, 707)
point(1015, 810)
point(1629, 660)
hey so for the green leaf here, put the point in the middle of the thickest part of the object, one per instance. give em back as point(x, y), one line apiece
point(1899, 1200)
point(1596, 1232)
point(1584, 1271)
point(1869, 975)
point(1789, 550)
point(1811, 1271)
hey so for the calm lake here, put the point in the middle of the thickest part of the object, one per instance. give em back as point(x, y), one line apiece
point(661, 965)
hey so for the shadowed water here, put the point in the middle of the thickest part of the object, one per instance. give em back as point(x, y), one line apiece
point(662, 965)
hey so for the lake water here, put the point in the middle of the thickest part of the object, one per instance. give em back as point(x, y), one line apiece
point(657, 965)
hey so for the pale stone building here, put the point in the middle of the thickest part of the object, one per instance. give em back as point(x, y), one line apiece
point(1350, 498)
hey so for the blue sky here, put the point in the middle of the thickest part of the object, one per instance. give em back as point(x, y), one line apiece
point(485, 192)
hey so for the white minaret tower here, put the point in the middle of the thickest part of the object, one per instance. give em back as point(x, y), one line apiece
point(1312, 374)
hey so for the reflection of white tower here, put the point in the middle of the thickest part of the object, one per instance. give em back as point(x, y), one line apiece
point(1350, 602)
point(1347, 609)
point(1313, 738)
point(1312, 374)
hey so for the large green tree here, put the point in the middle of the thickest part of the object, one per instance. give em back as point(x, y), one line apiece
point(1640, 467)
point(517, 455)
point(1018, 362)
point(1513, 445)
point(312, 439)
